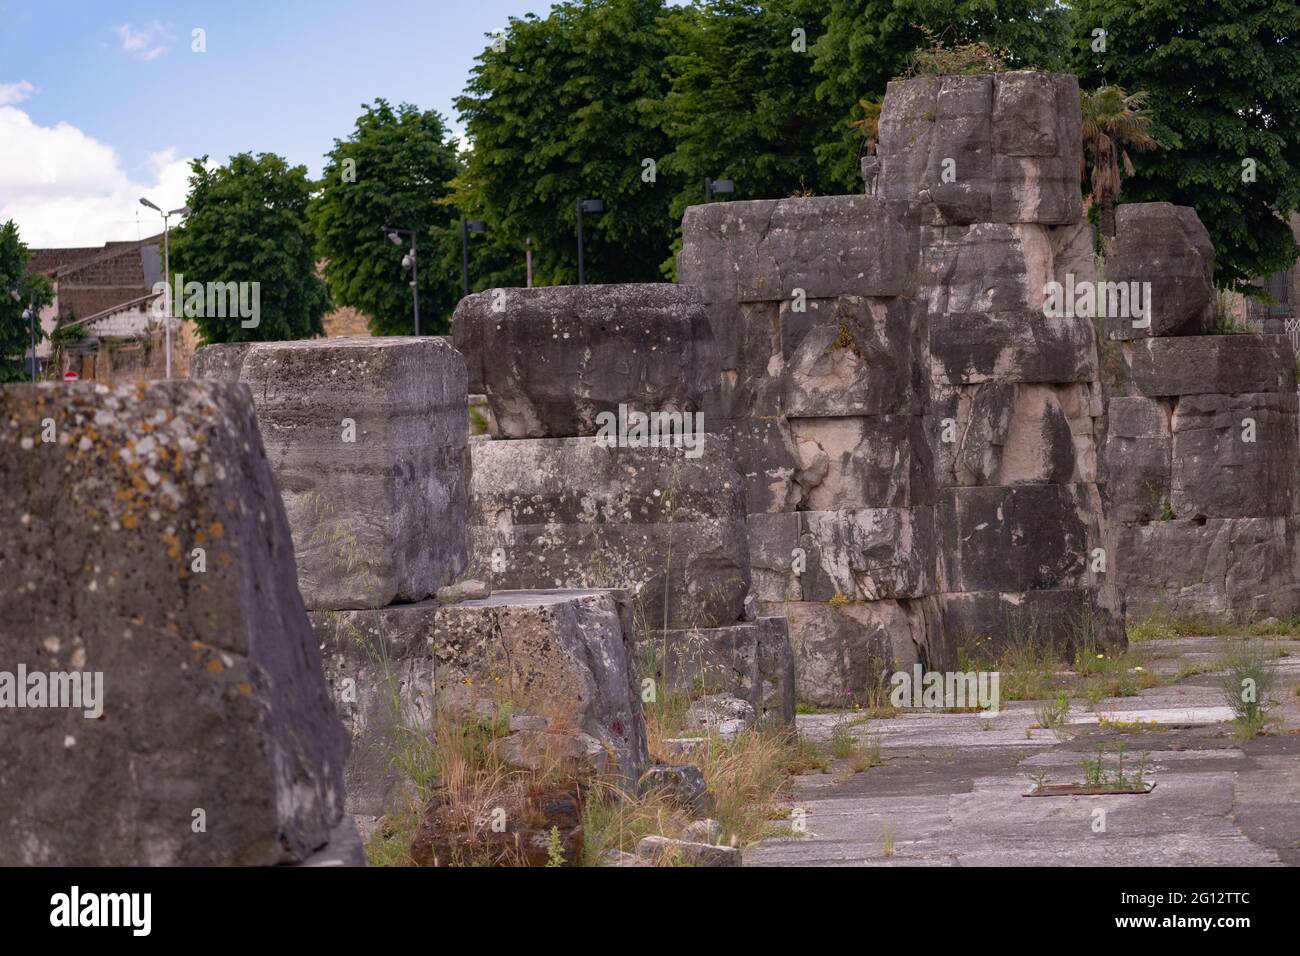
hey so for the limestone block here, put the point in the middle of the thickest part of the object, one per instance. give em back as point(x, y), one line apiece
point(550, 360)
point(1137, 457)
point(986, 622)
point(1167, 246)
point(880, 461)
point(563, 654)
point(968, 348)
point(826, 246)
point(1016, 538)
point(207, 681)
point(367, 439)
point(1210, 364)
point(571, 512)
point(843, 650)
point(1217, 472)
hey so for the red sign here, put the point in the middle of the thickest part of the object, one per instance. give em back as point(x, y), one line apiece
point(70, 376)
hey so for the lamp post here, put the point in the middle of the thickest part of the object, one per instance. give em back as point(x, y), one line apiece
point(409, 261)
point(717, 187)
point(592, 206)
point(167, 270)
point(476, 226)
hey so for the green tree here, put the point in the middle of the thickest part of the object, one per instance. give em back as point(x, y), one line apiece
point(1113, 123)
point(565, 108)
point(15, 331)
point(1224, 79)
point(393, 169)
point(866, 43)
point(742, 103)
point(248, 223)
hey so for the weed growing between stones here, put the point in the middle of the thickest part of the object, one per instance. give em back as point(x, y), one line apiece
point(1250, 673)
point(1161, 625)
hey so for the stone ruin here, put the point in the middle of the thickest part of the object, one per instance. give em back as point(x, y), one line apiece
point(901, 452)
point(1201, 453)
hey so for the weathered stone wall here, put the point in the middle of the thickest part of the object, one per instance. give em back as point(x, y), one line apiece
point(918, 441)
point(1201, 455)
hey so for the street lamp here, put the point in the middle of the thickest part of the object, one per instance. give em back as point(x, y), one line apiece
point(476, 226)
point(592, 206)
point(408, 262)
point(717, 187)
point(167, 269)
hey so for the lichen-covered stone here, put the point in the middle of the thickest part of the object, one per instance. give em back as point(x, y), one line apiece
point(1137, 456)
point(555, 513)
point(969, 348)
point(551, 360)
point(367, 439)
point(146, 542)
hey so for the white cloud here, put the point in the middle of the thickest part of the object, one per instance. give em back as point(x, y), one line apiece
point(11, 93)
point(65, 188)
point(146, 43)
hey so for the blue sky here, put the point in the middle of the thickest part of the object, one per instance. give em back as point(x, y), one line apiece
point(100, 100)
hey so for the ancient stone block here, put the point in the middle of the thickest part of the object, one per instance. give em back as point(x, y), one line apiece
point(845, 650)
point(868, 554)
point(986, 622)
point(852, 356)
point(754, 661)
point(880, 461)
point(565, 655)
point(765, 250)
point(1000, 267)
point(550, 360)
point(1234, 455)
point(1004, 434)
point(1137, 456)
point(967, 348)
point(379, 664)
point(748, 336)
point(367, 440)
point(1016, 538)
point(1212, 566)
point(1164, 245)
point(572, 512)
point(773, 539)
point(147, 554)
point(1210, 364)
point(991, 148)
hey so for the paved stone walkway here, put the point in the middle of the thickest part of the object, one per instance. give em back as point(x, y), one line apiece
point(950, 788)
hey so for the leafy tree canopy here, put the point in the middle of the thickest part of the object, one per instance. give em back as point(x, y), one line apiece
point(248, 224)
point(15, 331)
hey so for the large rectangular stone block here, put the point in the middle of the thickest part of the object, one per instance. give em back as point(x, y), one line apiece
point(146, 555)
point(1137, 458)
point(552, 360)
point(367, 438)
point(1234, 455)
point(852, 356)
point(1214, 566)
point(765, 250)
point(845, 650)
point(571, 512)
point(967, 348)
point(1167, 246)
point(1006, 434)
point(1210, 364)
point(752, 661)
point(880, 461)
point(993, 148)
point(562, 654)
point(1016, 538)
